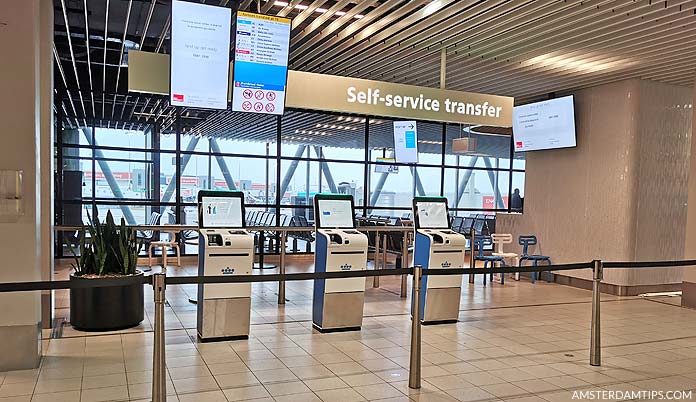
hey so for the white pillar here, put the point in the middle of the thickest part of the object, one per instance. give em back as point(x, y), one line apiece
point(26, 112)
point(689, 277)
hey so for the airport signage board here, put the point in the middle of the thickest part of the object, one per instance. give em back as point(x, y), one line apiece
point(199, 65)
point(352, 95)
point(406, 141)
point(311, 91)
point(262, 45)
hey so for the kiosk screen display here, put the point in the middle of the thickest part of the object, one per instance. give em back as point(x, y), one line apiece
point(432, 215)
point(221, 212)
point(335, 214)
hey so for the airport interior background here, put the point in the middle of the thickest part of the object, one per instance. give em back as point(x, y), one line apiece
point(91, 129)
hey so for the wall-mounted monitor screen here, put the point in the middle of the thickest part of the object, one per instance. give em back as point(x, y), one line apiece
point(548, 124)
point(334, 211)
point(200, 55)
point(431, 213)
point(262, 44)
point(221, 209)
point(406, 141)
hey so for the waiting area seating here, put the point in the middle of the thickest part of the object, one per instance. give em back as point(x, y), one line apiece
point(525, 242)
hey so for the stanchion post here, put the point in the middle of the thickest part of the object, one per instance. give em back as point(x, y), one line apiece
point(159, 369)
point(375, 280)
point(414, 371)
point(595, 337)
point(281, 268)
point(404, 264)
point(472, 253)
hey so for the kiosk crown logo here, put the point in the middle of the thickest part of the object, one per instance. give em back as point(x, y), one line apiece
point(446, 264)
point(227, 271)
point(346, 267)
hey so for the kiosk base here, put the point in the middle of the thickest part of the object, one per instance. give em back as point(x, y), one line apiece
point(330, 330)
point(341, 312)
point(223, 338)
point(225, 319)
point(442, 305)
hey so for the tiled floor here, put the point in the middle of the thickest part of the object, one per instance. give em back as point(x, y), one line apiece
point(519, 342)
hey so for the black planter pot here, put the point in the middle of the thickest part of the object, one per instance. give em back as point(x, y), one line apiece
point(107, 308)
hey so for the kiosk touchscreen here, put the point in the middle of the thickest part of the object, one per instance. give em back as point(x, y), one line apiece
point(224, 248)
point(338, 303)
point(437, 247)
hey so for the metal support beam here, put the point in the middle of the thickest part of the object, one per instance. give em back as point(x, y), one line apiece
point(109, 176)
point(379, 187)
point(465, 180)
point(324, 167)
point(492, 178)
point(222, 164)
point(419, 185)
point(291, 170)
point(171, 187)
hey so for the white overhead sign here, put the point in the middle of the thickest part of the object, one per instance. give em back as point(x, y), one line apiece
point(406, 141)
point(200, 55)
point(260, 76)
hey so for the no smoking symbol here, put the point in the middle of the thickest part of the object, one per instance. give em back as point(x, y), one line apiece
point(246, 105)
point(270, 107)
point(259, 95)
point(258, 106)
point(247, 93)
point(270, 96)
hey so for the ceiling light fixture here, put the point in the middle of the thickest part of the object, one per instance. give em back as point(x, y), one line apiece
point(432, 7)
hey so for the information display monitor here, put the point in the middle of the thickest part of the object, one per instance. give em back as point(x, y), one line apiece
point(548, 124)
point(334, 211)
point(200, 55)
point(431, 213)
point(221, 209)
point(262, 46)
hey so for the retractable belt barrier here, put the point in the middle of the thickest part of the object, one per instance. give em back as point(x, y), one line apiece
point(160, 281)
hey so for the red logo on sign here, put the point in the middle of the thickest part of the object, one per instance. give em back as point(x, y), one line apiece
point(178, 97)
point(236, 84)
point(247, 93)
point(270, 96)
point(270, 107)
point(258, 95)
point(258, 106)
point(518, 144)
point(246, 105)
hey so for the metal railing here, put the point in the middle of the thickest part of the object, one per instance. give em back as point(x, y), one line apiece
point(160, 282)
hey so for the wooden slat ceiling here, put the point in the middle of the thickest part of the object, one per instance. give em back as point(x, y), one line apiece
point(521, 48)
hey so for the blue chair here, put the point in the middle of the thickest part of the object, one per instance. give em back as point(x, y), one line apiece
point(525, 242)
point(481, 242)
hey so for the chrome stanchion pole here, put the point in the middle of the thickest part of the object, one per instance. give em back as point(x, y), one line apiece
point(404, 264)
point(472, 253)
point(159, 369)
point(281, 269)
point(375, 280)
point(414, 368)
point(595, 337)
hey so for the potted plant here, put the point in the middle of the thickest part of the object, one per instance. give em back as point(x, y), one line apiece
point(112, 252)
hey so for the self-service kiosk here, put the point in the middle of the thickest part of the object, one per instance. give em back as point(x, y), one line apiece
point(338, 303)
point(437, 247)
point(224, 248)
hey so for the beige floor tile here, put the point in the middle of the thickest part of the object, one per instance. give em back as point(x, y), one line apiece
point(119, 393)
point(346, 368)
point(236, 380)
point(377, 391)
point(439, 396)
point(103, 381)
point(199, 384)
point(275, 375)
point(208, 396)
point(144, 390)
point(16, 389)
point(340, 394)
point(12, 377)
point(227, 368)
point(64, 396)
point(51, 386)
point(567, 382)
point(306, 397)
point(246, 393)
point(356, 380)
point(287, 388)
point(536, 386)
point(449, 382)
point(322, 384)
point(505, 390)
point(178, 373)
